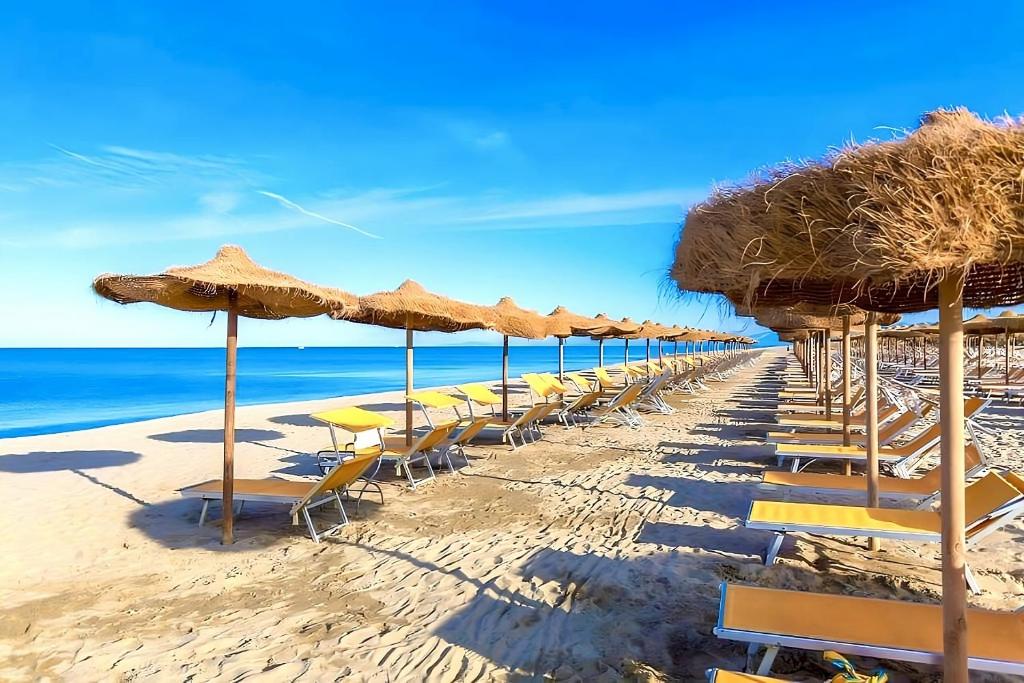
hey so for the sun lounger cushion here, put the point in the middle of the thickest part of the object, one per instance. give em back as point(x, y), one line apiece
point(834, 620)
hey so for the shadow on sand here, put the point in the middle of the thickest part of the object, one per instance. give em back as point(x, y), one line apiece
point(75, 462)
point(217, 436)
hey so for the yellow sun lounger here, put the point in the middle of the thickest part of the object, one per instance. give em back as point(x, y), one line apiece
point(303, 496)
point(991, 502)
point(924, 488)
point(582, 383)
point(436, 400)
point(868, 627)
point(458, 440)
point(403, 457)
point(480, 395)
point(906, 456)
point(362, 431)
point(886, 412)
point(886, 432)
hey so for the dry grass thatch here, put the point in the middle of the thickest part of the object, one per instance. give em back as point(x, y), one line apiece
point(562, 322)
point(260, 292)
point(512, 321)
point(875, 225)
point(412, 306)
point(606, 327)
point(1007, 321)
point(784, 319)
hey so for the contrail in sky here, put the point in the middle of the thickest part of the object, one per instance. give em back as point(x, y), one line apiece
point(292, 205)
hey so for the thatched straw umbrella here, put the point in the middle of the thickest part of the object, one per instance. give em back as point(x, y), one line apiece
point(413, 309)
point(671, 334)
point(929, 220)
point(233, 283)
point(562, 324)
point(1005, 324)
point(606, 328)
point(624, 329)
point(511, 321)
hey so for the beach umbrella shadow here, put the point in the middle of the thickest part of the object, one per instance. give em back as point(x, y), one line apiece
point(296, 420)
point(75, 462)
point(217, 436)
point(59, 461)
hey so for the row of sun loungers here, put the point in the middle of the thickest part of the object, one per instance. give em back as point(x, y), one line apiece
point(771, 619)
point(360, 448)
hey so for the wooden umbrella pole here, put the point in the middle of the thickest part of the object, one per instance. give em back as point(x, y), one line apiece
point(981, 350)
point(504, 377)
point(408, 383)
point(561, 359)
point(951, 414)
point(847, 389)
point(230, 382)
point(625, 352)
point(648, 350)
point(871, 409)
point(827, 373)
point(1006, 356)
point(600, 353)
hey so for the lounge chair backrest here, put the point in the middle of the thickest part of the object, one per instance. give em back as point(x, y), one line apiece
point(342, 475)
point(890, 430)
point(478, 393)
point(604, 378)
point(986, 497)
point(626, 396)
point(471, 430)
point(537, 385)
point(974, 405)
point(579, 380)
point(584, 401)
point(532, 414)
point(554, 381)
point(972, 462)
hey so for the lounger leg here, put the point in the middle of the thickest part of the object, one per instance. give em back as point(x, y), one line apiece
point(202, 514)
point(765, 667)
point(309, 525)
point(972, 580)
point(772, 553)
point(341, 510)
point(795, 467)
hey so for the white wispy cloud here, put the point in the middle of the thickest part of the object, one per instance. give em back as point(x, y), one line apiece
point(580, 204)
point(312, 214)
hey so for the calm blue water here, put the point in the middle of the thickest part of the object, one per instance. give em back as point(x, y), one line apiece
point(43, 391)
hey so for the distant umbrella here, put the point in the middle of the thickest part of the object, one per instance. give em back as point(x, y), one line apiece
point(509, 320)
point(412, 308)
point(562, 324)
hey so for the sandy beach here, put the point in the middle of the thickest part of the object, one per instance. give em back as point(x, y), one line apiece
point(594, 555)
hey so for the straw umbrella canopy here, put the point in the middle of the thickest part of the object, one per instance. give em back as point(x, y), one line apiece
point(562, 324)
point(509, 320)
point(234, 283)
point(605, 328)
point(670, 334)
point(624, 329)
point(932, 219)
point(412, 308)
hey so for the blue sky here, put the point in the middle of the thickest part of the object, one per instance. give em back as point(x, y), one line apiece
point(540, 150)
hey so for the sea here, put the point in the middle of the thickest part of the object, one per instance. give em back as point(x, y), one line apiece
point(44, 391)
